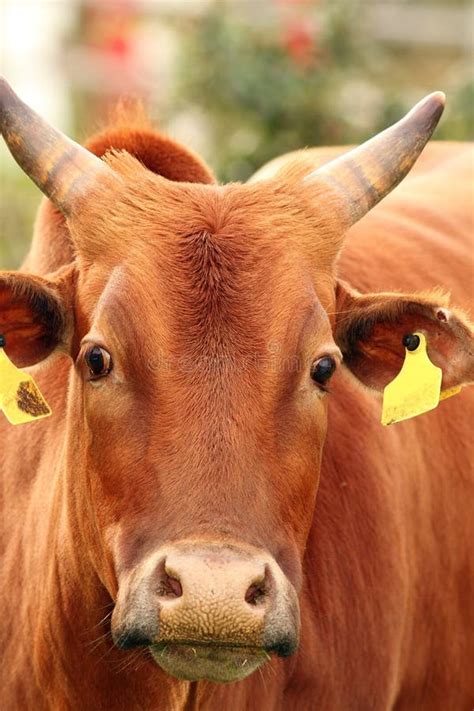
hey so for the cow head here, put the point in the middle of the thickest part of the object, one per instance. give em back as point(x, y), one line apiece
point(201, 323)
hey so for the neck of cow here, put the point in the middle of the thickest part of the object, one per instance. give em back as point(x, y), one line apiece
point(61, 599)
point(72, 599)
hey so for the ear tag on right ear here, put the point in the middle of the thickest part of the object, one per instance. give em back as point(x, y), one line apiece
point(417, 387)
point(20, 397)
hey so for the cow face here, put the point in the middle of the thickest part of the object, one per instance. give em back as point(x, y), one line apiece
point(201, 325)
point(204, 398)
point(202, 352)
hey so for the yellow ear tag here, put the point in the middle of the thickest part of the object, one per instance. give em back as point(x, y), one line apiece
point(20, 397)
point(417, 387)
point(450, 392)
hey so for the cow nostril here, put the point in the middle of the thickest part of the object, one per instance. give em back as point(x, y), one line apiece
point(168, 585)
point(256, 594)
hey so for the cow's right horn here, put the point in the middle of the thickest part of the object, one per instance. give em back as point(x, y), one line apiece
point(364, 175)
point(63, 170)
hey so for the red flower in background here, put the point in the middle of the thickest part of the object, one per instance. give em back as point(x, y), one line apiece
point(300, 41)
point(109, 49)
point(109, 27)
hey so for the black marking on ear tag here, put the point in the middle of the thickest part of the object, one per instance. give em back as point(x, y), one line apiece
point(3, 341)
point(411, 341)
point(29, 399)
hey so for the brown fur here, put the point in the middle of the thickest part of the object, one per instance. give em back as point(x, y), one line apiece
point(214, 302)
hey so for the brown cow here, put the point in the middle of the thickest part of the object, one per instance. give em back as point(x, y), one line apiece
point(184, 335)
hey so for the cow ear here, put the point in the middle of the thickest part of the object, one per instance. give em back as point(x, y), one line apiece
point(35, 314)
point(370, 329)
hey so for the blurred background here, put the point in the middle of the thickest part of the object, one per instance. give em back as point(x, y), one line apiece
point(240, 81)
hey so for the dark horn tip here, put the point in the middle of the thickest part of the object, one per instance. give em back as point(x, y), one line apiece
point(5, 87)
point(437, 102)
point(439, 96)
point(7, 99)
point(431, 107)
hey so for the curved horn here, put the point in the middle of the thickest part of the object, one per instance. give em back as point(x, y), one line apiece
point(61, 168)
point(366, 174)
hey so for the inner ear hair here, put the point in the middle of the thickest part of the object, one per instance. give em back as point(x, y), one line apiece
point(34, 314)
point(357, 314)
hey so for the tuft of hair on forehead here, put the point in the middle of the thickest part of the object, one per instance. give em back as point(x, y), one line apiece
point(130, 129)
point(287, 214)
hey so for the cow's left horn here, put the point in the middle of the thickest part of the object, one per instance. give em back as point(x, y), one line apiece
point(61, 168)
point(366, 174)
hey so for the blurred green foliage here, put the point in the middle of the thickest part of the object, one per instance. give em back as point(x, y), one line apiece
point(307, 80)
point(19, 200)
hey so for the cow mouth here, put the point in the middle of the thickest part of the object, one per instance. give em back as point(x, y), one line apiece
point(217, 663)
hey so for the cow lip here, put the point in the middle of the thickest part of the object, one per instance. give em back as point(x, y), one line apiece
point(221, 663)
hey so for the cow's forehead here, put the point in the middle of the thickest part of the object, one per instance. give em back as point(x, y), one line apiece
point(245, 225)
point(209, 269)
point(207, 300)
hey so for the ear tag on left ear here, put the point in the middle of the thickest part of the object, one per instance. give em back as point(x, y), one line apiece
point(417, 387)
point(20, 397)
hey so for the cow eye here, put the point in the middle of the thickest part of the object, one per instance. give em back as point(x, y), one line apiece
point(322, 369)
point(99, 362)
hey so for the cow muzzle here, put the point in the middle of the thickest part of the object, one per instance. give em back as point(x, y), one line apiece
point(208, 611)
